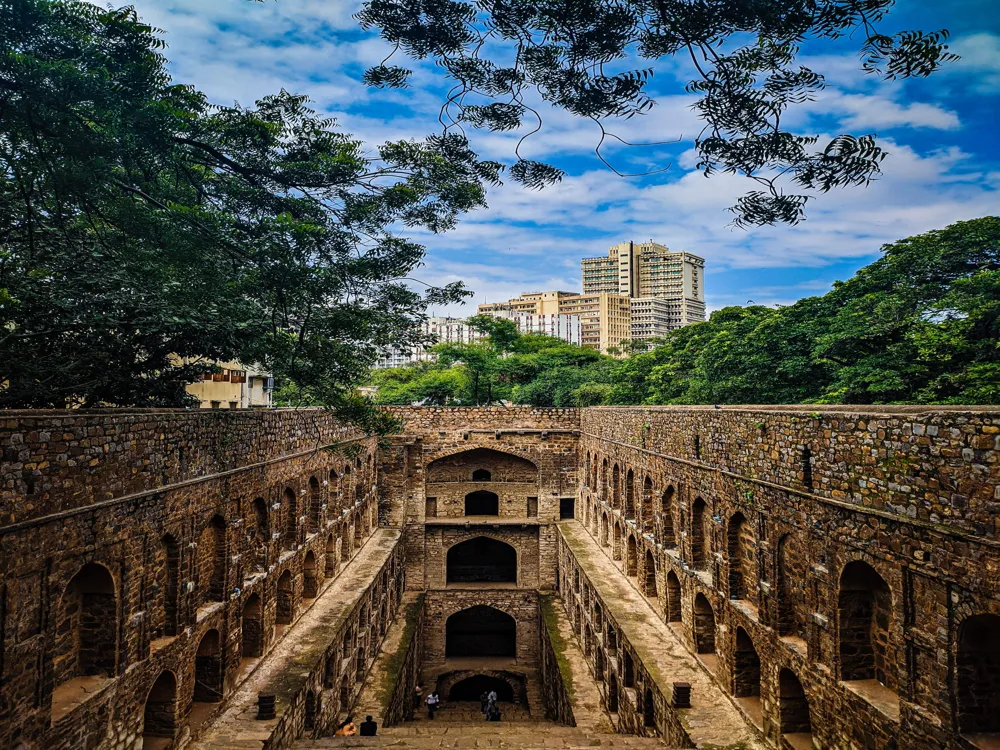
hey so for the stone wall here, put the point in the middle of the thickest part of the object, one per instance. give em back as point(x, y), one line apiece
point(832, 563)
point(137, 543)
point(556, 680)
point(405, 666)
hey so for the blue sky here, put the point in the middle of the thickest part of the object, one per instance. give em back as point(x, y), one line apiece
point(941, 134)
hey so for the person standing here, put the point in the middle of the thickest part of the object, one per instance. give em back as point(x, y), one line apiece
point(484, 703)
point(432, 704)
point(368, 727)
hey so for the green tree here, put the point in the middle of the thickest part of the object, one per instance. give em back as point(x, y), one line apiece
point(145, 232)
point(596, 59)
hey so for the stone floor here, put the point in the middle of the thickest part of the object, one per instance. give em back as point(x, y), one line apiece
point(713, 719)
point(237, 727)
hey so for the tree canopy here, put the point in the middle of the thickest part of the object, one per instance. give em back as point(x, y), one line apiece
point(596, 59)
point(145, 232)
point(919, 325)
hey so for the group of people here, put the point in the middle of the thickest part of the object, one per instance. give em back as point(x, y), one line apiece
point(488, 705)
point(347, 728)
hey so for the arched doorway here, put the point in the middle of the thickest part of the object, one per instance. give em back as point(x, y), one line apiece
point(471, 688)
point(865, 608)
point(345, 542)
point(631, 557)
point(87, 628)
point(252, 628)
point(330, 560)
point(616, 488)
point(169, 578)
point(616, 549)
point(612, 693)
point(285, 612)
point(482, 560)
point(314, 504)
point(211, 553)
point(740, 547)
point(667, 517)
point(310, 581)
point(630, 495)
point(481, 631)
point(647, 506)
point(290, 537)
point(208, 669)
point(704, 625)
point(673, 597)
point(649, 587)
point(746, 676)
point(159, 717)
point(482, 503)
point(791, 593)
point(699, 542)
point(648, 709)
point(793, 708)
point(604, 530)
point(977, 674)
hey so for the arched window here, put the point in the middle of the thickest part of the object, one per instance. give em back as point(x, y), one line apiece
point(482, 560)
point(586, 471)
point(346, 542)
point(481, 475)
point(159, 718)
point(334, 489)
point(616, 549)
point(628, 669)
point(793, 708)
point(86, 632)
point(500, 466)
point(604, 530)
point(481, 631)
point(699, 535)
point(704, 625)
point(604, 481)
point(208, 669)
point(482, 503)
point(612, 693)
point(977, 674)
point(866, 617)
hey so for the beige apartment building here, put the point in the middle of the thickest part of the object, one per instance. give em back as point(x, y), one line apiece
point(667, 288)
point(605, 319)
point(234, 386)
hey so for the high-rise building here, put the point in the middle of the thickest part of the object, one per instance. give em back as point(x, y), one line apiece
point(555, 324)
point(444, 329)
point(644, 270)
point(605, 319)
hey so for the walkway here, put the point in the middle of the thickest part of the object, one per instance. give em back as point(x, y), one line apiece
point(712, 719)
point(284, 670)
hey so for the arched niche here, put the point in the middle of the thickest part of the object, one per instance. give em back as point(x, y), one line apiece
point(501, 466)
point(482, 559)
point(481, 631)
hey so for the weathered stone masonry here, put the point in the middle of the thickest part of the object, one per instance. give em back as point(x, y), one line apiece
point(150, 559)
point(837, 570)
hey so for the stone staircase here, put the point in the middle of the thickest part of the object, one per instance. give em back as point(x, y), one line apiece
point(451, 733)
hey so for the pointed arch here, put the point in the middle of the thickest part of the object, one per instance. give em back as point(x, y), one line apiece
point(87, 627)
point(285, 612)
point(793, 707)
point(699, 535)
point(631, 557)
point(667, 517)
point(647, 510)
point(252, 628)
point(310, 576)
point(704, 625)
point(480, 631)
point(977, 674)
point(159, 717)
point(481, 559)
point(315, 503)
point(208, 668)
point(649, 576)
point(290, 537)
point(616, 488)
point(502, 466)
point(741, 546)
point(673, 597)
point(866, 626)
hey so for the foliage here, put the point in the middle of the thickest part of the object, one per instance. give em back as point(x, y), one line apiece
point(596, 59)
point(919, 325)
point(146, 232)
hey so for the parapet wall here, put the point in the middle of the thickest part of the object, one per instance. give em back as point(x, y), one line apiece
point(940, 466)
point(430, 419)
point(55, 461)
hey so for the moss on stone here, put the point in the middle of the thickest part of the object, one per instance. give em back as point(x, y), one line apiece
point(394, 662)
point(559, 645)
